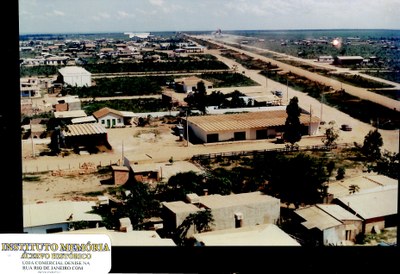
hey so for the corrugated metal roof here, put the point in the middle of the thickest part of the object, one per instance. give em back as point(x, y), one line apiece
point(85, 129)
point(88, 119)
point(373, 204)
point(70, 114)
point(242, 121)
point(316, 218)
point(338, 212)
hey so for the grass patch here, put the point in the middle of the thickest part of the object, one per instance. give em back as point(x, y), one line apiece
point(31, 178)
point(94, 193)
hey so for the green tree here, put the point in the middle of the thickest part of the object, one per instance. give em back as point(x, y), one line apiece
point(201, 220)
point(292, 132)
point(372, 145)
point(139, 204)
point(330, 166)
point(388, 165)
point(297, 179)
point(353, 189)
point(340, 173)
point(219, 185)
point(331, 134)
point(236, 100)
point(201, 97)
point(198, 99)
point(179, 185)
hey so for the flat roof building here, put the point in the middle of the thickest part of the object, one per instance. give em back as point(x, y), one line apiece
point(228, 211)
point(258, 235)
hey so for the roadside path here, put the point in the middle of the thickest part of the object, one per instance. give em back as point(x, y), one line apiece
point(335, 84)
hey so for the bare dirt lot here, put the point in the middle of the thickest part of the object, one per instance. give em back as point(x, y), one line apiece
point(71, 177)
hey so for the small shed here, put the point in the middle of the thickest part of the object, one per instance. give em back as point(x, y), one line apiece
point(120, 174)
point(88, 135)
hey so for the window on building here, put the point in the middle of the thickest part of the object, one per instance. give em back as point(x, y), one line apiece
point(238, 220)
point(240, 136)
point(348, 235)
point(261, 134)
point(212, 138)
point(54, 230)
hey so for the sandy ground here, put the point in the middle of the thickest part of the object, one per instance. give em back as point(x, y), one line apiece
point(156, 145)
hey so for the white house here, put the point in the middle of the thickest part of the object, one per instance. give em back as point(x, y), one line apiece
point(110, 118)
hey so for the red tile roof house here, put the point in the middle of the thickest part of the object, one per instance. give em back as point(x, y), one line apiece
point(111, 118)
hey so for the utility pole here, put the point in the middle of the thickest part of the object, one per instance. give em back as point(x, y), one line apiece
point(33, 146)
point(322, 100)
point(287, 90)
point(122, 153)
point(187, 128)
point(309, 126)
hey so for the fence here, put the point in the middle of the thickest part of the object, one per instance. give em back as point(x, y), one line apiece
point(287, 148)
point(34, 168)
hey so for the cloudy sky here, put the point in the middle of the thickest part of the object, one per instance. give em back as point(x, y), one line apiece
point(66, 16)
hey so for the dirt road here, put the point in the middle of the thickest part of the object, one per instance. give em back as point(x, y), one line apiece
point(356, 91)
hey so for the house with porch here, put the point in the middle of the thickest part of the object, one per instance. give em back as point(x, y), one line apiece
point(110, 118)
point(245, 126)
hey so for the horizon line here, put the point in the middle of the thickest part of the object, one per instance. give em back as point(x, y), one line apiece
point(205, 30)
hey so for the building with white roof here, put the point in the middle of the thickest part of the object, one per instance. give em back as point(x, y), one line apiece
point(129, 238)
point(57, 216)
point(258, 235)
point(70, 114)
point(75, 76)
point(365, 183)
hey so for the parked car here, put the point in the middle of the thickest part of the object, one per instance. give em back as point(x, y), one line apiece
point(346, 127)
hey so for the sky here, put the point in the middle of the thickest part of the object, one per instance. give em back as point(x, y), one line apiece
point(92, 16)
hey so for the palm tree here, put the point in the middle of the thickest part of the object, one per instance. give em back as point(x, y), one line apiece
point(201, 221)
point(353, 189)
